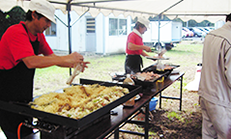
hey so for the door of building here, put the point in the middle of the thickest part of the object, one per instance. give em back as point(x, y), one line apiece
point(90, 35)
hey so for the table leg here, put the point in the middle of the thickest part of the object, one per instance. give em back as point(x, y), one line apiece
point(160, 100)
point(181, 84)
point(177, 98)
point(146, 126)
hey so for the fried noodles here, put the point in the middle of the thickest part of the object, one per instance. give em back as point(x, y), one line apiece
point(78, 101)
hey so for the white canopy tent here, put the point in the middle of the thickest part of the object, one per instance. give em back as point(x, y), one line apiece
point(199, 10)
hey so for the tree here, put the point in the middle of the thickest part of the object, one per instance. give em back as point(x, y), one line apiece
point(191, 23)
point(14, 16)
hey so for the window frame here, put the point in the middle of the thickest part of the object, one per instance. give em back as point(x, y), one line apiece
point(53, 27)
point(117, 29)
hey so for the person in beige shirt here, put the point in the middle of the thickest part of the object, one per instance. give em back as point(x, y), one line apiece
point(215, 83)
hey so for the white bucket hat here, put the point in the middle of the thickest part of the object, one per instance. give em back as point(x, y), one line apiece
point(43, 7)
point(144, 21)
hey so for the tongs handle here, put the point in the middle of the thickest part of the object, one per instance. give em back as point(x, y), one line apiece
point(162, 52)
point(76, 72)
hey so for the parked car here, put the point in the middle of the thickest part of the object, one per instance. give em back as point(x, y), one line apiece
point(208, 29)
point(203, 29)
point(184, 34)
point(197, 32)
point(189, 33)
point(211, 28)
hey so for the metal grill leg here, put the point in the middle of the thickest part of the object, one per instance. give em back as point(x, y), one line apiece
point(116, 134)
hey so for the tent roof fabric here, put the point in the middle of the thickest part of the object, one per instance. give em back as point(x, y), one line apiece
point(199, 10)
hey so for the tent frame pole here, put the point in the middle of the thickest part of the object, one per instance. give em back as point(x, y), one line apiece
point(159, 18)
point(69, 27)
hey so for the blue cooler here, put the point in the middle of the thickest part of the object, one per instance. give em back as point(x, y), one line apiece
point(153, 103)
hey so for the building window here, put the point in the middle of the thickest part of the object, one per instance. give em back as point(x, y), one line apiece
point(51, 31)
point(90, 25)
point(117, 26)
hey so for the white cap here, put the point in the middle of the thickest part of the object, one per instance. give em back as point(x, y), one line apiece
point(43, 7)
point(144, 21)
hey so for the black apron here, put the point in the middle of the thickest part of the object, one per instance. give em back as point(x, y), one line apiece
point(16, 85)
point(133, 64)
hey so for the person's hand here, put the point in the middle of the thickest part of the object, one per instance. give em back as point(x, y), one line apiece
point(71, 60)
point(79, 67)
point(84, 65)
point(76, 58)
point(79, 59)
point(147, 49)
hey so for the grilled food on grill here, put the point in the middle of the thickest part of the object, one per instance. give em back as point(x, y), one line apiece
point(78, 101)
point(168, 67)
point(147, 76)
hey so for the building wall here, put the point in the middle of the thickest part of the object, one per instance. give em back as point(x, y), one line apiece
point(78, 31)
point(105, 44)
point(116, 44)
point(59, 42)
point(100, 34)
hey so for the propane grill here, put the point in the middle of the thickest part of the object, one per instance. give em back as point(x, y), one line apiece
point(49, 122)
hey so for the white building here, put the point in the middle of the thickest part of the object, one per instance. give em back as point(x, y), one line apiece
point(101, 35)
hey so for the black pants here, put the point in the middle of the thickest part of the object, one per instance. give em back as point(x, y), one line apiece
point(133, 64)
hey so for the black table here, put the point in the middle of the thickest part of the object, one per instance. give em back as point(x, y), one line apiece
point(111, 124)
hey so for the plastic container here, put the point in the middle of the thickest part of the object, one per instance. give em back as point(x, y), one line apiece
point(153, 103)
point(128, 80)
point(130, 102)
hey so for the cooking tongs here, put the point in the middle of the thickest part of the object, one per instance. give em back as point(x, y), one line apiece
point(159, 52)
point(77, 70)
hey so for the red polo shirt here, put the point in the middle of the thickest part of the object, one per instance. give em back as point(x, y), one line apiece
point(15, 45)
point(135, 39)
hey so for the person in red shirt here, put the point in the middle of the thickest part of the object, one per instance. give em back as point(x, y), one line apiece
point(135, 47)
point(21, 47)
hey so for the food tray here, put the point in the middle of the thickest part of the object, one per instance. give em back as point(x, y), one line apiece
point(24, 109)
point(146, 84)
point(166, 72)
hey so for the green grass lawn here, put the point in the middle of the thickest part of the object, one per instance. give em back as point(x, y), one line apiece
point(49, 79)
